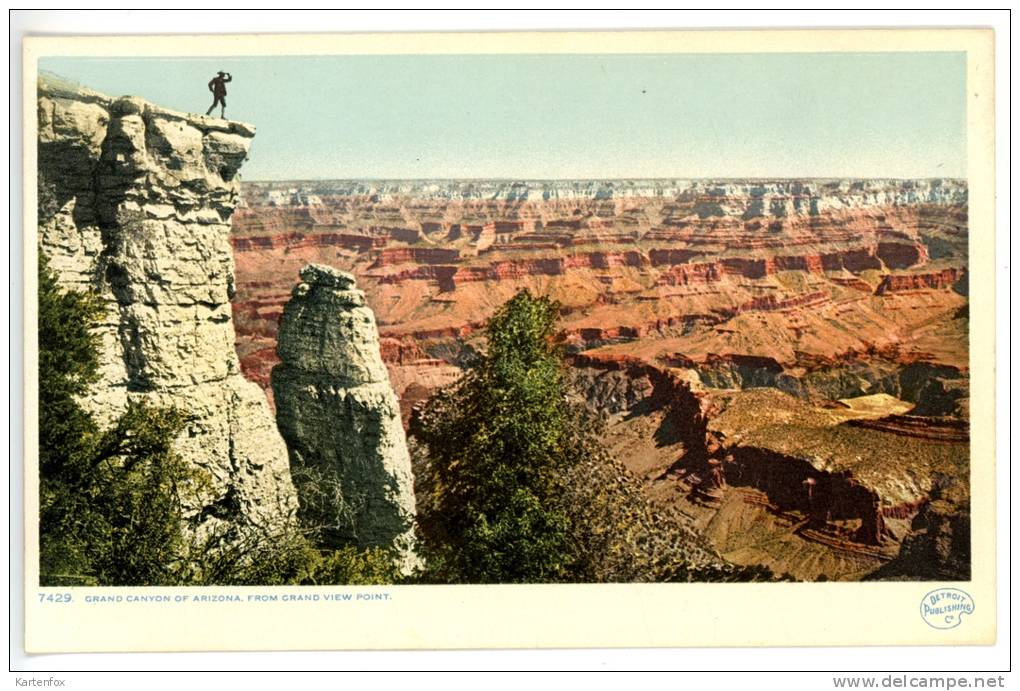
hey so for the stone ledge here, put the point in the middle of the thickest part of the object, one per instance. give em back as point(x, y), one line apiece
point(54, 86)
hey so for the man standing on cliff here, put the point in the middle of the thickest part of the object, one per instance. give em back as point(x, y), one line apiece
point(218, 86)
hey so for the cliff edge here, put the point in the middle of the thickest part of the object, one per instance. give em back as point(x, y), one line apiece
point(135, 202)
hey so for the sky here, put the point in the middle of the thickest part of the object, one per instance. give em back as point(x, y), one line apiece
point(572, 116)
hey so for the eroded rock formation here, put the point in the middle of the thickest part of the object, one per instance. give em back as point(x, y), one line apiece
point(340, 417)
point(135, 202)
point(842, 480)
point(938, 546)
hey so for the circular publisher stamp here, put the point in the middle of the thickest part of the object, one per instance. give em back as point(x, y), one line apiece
point(944, 608)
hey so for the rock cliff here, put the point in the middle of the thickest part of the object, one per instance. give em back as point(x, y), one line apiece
point(938, 545)
point(340, 417)
point(135, 202)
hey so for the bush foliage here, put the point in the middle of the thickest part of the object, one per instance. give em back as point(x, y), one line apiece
point(109, 509)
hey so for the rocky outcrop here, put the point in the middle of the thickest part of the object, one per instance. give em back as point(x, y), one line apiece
point(671, 257)
point(692, 274)
point(854, 261)
point(936, 280)
point(297, 241)
point(135, 202)
point(900, 255)
point(618, 384)
point(945, 429)
point(770, 303)
point(938, 547)
point(340, 418)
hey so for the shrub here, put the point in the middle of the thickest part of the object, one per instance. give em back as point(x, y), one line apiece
point(109, 507)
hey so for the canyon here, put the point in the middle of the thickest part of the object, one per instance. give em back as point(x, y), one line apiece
point(782, 362)
point(785, 361)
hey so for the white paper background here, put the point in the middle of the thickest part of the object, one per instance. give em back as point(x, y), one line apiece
point(95, 22)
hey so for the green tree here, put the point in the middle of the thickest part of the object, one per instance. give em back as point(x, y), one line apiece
point(109, 500)
point(496, 450)
point(353, 566)
point(68, 366)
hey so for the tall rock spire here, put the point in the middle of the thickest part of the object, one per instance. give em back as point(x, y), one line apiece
point(340, 417)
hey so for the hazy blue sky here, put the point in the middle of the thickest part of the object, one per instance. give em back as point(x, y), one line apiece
point(563, 116)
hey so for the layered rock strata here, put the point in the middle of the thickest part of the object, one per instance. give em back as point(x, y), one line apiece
point(787, 270)
point(340, 417)
point(135, 203)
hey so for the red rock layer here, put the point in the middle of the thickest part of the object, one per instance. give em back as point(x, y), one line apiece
point(292, 241)
point(692, 274)
point(601, 334)
point(416, 255)
point(400, 351)
point(939, 280)
point(946, 430)
point(851, 282)
point(771, 303)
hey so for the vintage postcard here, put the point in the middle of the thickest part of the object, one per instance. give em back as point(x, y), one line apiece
point(509, 340)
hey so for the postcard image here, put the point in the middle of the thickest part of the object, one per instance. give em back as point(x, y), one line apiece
point(389, 338)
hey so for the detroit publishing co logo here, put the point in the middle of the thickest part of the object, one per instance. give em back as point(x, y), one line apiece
point(945, 608)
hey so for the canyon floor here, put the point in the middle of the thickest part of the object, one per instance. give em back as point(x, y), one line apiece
point(784, 361)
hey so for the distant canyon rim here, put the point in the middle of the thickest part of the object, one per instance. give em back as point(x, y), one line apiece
point(785, 361)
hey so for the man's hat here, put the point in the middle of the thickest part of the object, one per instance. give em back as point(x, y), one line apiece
point(221, 73)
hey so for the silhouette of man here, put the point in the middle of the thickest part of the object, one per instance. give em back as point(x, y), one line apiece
point(218, 86)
